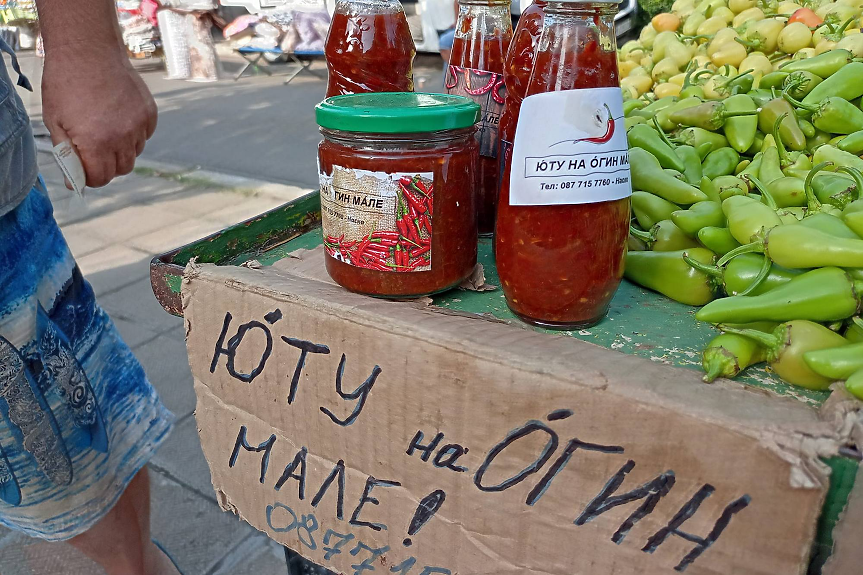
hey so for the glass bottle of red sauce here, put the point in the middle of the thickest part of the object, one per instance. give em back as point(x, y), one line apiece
point(398, 208)
point(483, 32)
point(563, 216)
point(369, 48)
point(517, 67)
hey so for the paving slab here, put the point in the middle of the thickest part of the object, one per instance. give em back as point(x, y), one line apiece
point(114, 267)
point(22, 555)
point(136, 302)
point(167, 367)
point(134, 334)
point(192, 528)
point(260, 555)
point(182, 458)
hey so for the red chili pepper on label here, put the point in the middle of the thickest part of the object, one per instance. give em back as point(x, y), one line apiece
point(412, 211)
point(413, 234)
point(418, 263)
point(609, 131)
point(419, 251)
point(421, 185)
point(405, 181)
point(403, 230)
point(413, 201)
point(453, 73)
point(381, 234)
point(484, 89)
point(427, 223)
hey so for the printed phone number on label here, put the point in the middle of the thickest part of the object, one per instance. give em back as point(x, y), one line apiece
point(586, 183)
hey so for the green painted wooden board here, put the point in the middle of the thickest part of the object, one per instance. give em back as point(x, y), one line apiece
point(639, 322)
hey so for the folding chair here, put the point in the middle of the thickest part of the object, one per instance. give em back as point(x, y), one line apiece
point(253, 56)
point(303, 59)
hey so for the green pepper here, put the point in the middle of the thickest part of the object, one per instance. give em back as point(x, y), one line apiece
point(757, 144)
point(799, 84)
point(748, 274)
point(828, 153)
point(629, 106)
point(813, 204)
point(710, 190)
point(854, 331)
point(650, 209)
point(852, 215)
point(646, 138)
point(824, 294)
point(832, 114)
point(836, 363)
point(845, 83)
point(664, 116)
point(788, 192)
point(727, 354)
point(717, 240)
point(692, 162)
point(791, 133)
point(740, 130)
point(819, 139)
point(806, 127)
point(789, 162)
point(823, 65)
point(774, 79)
point(647, 175)
point(728, 186)
point(668, 274)
point(747, 217)
point(720, 162)
point(770, 169)
point(854, 384)
point(699, 215)
point(690, 84)
point(760, 97)
point(674, 174)
point(834, 189)
point(632, 121)
point(697, 137)
point(650, 110)
point(852, 143)
point(788, 344)
point(803, 247)
point(709, 115)
point(664, 236)
point(753, 168)
point(829, 224)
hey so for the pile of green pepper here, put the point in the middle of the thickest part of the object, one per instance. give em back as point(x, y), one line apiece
point(751, 207)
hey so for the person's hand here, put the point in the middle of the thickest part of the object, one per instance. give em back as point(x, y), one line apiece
point(96, 100)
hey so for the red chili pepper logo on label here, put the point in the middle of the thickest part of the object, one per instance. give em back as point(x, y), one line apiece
point(603, 139)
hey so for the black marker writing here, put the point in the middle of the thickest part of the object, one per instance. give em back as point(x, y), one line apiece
point(687, 511)
point(337, 472)
point(361, 393)
point(651, 492)
point(371, 483)
point(305, 347)
point(556, 467)
point(266, 447)
point(231, 350)
point(513, 436)
point(299, 462)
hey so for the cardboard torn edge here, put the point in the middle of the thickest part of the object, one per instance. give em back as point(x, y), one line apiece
point(476, 281)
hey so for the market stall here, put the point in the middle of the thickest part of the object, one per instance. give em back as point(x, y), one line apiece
point(440, 426)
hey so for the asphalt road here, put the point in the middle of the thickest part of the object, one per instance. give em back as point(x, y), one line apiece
point(255, 127)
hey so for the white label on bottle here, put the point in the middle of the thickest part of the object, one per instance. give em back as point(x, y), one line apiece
point(570, 148)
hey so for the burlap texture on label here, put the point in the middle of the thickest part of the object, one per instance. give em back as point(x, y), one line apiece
point(354, 203)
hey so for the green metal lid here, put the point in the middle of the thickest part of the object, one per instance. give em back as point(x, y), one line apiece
point(396, 112)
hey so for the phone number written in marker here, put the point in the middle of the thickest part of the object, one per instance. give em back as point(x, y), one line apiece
point(587, 183)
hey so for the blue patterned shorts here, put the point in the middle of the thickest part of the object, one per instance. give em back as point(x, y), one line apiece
point(78, 418)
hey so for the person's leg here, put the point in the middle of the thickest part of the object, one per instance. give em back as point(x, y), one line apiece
point(120, 542)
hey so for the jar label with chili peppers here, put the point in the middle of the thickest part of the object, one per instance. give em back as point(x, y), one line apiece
point(486, 89)
point(378, 220)
point(570, 148)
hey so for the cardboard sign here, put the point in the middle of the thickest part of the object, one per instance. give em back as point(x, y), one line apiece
point(382, 437)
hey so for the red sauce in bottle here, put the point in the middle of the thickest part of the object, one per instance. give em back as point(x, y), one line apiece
point(517, 67)
point(483, 35)
point(561, 264)
point(369, 48)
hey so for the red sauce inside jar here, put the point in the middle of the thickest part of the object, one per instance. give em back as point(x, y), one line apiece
point(474, 49)
point(369, 49)
point(561, 264)
point(517, 68)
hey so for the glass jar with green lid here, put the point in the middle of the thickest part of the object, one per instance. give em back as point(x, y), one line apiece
point(397, 191)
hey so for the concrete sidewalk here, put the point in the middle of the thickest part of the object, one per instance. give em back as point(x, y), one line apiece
point(113, 237)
